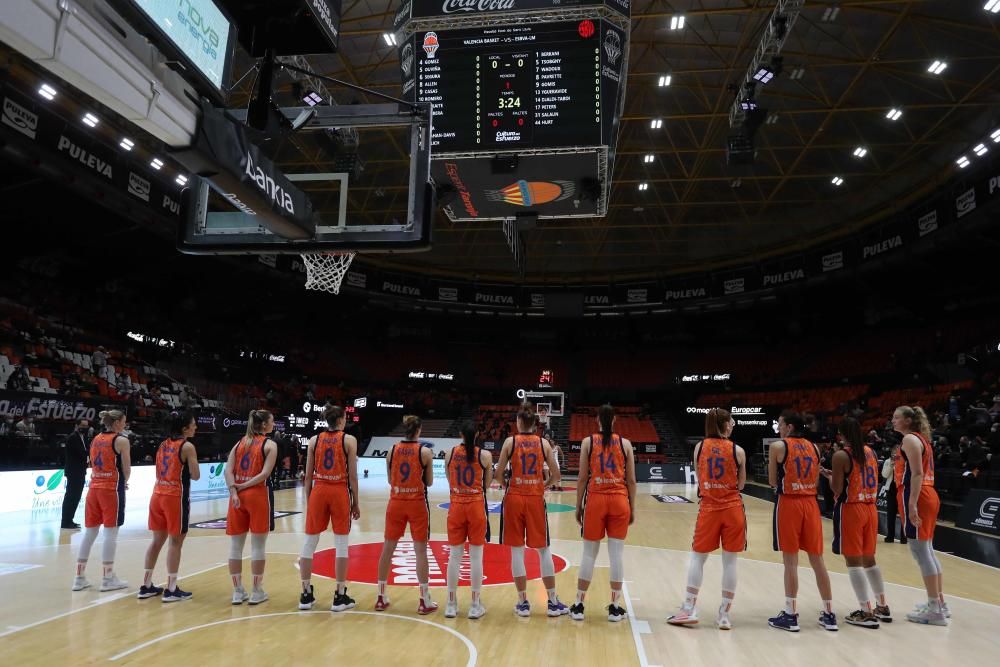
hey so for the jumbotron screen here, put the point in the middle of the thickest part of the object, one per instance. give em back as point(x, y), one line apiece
point(511, 87)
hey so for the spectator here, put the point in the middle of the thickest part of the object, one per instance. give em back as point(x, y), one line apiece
point(75, 465)
point(26, 427)
point(99, 360)
point(19, 380)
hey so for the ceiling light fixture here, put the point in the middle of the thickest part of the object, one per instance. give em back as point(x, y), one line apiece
point(995, 136)
point(837, 180)
point(181, 180)
point(312, 98)
point(937, 67)
point(648, 158)
point(390, 38)
point(981, 150)
point(127, 143)
point(963, 162)
point(643, 186)
point(894, 114)
point(992, 6)
point(90, 120)
point(666, 79)
point(156, 163)
point(797, 73)
point(656, 123)
point(830, 14)
point(47, 91)
point(860, 151)
point(677, 22)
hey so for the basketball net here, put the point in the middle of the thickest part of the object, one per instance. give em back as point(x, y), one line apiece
point(326, 270)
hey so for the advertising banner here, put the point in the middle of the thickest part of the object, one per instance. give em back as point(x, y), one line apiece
point(981, 511)
point(380, 445)
point(43, 490)
point(669, 473)
point(470, 8)
point(46, 407)
point(550, 185)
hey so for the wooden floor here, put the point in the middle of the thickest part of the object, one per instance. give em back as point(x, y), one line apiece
point(42, 620)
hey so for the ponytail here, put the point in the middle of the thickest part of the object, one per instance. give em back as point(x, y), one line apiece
point(469, 434)
point(255, 422)
point(526, 416)
point(332, 414)
point(411, 425)
point(177, 422)
point(716, 421)
point(606, 417)
point(851, 430)
point(919, 423)
point(109, 417)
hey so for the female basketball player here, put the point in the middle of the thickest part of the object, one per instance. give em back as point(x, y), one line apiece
point(331, 496)
point(722, 519)
point(411, 472)
point(854, 480)
point(523, 518)
point(111, 467)
point(470, 472)
point(605, 505)
point(793, 471)
point(919, 503)
point(170, 505)
point(251, 503)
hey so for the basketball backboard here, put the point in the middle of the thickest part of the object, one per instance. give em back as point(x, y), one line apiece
point(367, 180)
point(553, 402)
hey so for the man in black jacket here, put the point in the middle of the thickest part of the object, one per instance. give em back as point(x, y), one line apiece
point(75, 464)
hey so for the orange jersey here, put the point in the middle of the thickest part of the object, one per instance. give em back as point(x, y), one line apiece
point(526, 459)
point(927, 463)
point(718, 474)
point(798, 474)
point(465, 476)
point(106, 463)
point(898, 467)
point(172, 475)
point(406, 471)
point(607, 465)
point(861, 483)
point(249, 458)
point(330, 459)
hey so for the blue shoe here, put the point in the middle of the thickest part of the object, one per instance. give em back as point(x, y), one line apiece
point(785, 621)
point(828, 621)
point(522, 609)
point(148, 592)
point(177, 595)
point(557, 608)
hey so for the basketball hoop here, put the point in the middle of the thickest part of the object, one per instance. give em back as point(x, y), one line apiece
point(326, 270)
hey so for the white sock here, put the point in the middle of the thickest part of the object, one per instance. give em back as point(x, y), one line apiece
point(790, 606)
point(171, 581)
point(381, 590)
point(615, 597)
point(237, 581)
point(690, 600)
point(306, 583)
point(552, 595)
point(147, 578)
point(828, 606)
point(580, 595)
point(425, 593)
point(522, 596)
point(341, 587)
point(727, 604)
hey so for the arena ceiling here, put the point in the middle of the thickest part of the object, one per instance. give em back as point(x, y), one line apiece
point(843, 71)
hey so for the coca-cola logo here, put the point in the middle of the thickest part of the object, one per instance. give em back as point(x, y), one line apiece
point(452, 6)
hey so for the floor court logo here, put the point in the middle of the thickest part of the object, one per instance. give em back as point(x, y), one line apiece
point(43, 485)
point(495, 507)
point(364, 564)
point(220, 524)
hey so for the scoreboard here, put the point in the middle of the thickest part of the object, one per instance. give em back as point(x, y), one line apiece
point(511, 87)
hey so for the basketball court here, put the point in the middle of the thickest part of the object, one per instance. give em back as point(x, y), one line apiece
point(42, 617)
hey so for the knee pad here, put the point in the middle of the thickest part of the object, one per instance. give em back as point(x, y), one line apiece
point(517, 562)
point(590, 551)
point(236, 544)
point(922, 553)
point(309, 546)
point(257, 543)
point(109, 545)
point(616, 555)
point(729, 559)
point(341, 544)
point(545, 561)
